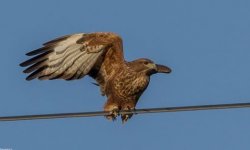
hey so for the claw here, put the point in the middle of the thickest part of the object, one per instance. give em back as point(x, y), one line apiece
point(126, 117)
point(113, 114)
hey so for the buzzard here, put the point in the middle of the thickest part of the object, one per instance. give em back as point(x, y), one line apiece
point(99, 55)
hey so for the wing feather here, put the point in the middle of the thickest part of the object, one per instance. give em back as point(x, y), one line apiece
point(72, 56)
point(35, 66)
point(39, 51)
point(86, 66)
point(36, 59)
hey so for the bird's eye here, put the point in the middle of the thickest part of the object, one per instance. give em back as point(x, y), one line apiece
point(145, 62)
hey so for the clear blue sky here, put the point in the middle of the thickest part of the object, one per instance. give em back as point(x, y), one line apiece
point(205, 42)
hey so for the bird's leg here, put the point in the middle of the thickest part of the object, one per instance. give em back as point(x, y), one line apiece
point(125, 117)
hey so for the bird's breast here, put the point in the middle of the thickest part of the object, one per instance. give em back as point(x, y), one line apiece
point(130, 84)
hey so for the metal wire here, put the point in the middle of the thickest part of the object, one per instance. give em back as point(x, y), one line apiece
point(137, 111)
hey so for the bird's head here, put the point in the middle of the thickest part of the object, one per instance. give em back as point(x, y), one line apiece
point(148, 66)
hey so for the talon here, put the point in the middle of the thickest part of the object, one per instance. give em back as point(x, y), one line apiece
point(113, 114)
point(126, 117)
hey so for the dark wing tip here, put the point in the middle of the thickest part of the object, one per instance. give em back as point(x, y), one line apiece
point(36, 73)
point(34, 52)
point(29, 79)
point(59, 39)
point(36, 59)
point(39, 50)
point(22, 64)
point(29, 62)
point(25, 63)
point(35, 66)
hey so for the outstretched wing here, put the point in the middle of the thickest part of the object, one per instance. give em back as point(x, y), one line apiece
point(72, 56)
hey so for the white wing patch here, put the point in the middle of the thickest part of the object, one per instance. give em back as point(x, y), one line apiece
point(63, 58)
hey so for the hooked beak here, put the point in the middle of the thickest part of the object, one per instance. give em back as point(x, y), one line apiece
point(162, 69)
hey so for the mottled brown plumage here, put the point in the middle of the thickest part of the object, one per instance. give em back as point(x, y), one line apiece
point(99, 55)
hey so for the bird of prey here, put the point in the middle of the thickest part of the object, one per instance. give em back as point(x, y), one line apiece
point(99, 55)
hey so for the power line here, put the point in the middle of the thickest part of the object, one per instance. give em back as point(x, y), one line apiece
point(137, 111)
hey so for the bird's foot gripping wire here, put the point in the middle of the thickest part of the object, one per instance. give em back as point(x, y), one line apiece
point(126, 117)
point(113, 114)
